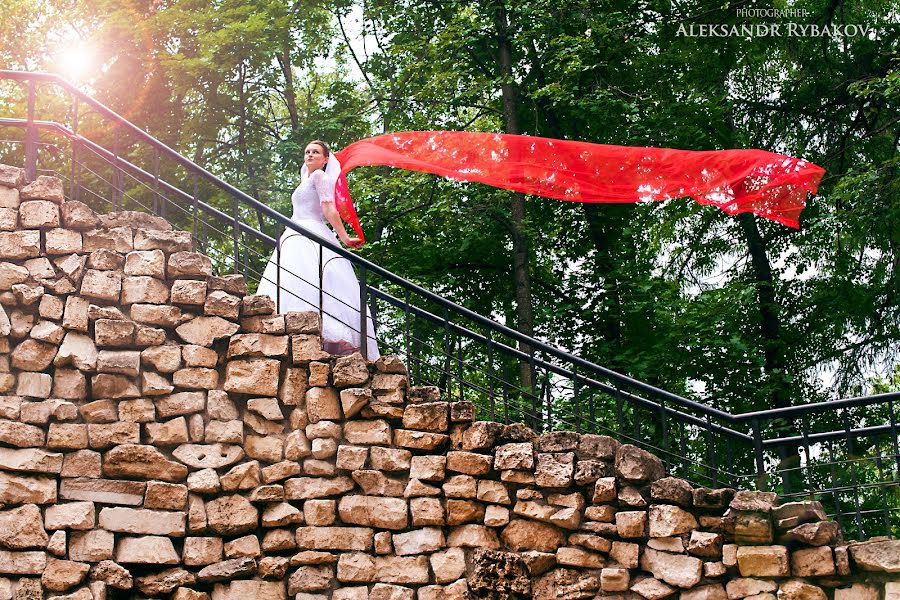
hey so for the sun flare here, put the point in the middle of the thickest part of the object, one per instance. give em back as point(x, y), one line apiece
point(76, 61)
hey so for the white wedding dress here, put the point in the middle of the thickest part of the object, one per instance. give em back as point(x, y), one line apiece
point(299, 273)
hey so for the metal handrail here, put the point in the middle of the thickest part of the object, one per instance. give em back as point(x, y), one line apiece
point(355, 259)
point(708, 442)
point(358, 260)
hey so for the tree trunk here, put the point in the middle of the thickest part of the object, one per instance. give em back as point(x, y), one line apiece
point(521, 280)
point(774, 364)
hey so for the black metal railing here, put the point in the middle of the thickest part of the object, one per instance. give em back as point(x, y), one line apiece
point(843, 452)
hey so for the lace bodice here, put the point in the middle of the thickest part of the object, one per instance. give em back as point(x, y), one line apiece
point(307, 199)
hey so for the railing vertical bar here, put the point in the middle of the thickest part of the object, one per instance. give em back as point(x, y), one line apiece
point(620, 414)
point(460, 376)
point(547, 395)
point(407, 321)
point(838, 509)
point(74, 177)
point(235, 233)
point(592, 411)
point(116, 198)
point(575, 400)
point(363, 311)
point(761, 482)
point(713, 455)
point(157, 199)
point(851, 465)
point(195, 210)
point(31, 135)
point(666, 458)
point(892, 417)
point(448, 354)
point(490, 375)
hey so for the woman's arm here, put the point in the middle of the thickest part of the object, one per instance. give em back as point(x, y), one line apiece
point(331, 213)
point(325, 189)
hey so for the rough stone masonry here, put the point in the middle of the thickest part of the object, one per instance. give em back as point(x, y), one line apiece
point(164, 435)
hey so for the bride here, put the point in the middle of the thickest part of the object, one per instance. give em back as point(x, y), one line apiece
point(297, 272)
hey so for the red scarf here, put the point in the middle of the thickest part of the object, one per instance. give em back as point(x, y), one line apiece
point(770, 185)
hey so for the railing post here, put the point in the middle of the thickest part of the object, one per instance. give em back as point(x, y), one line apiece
point(116, 191)
point(195, 216)
point(158, 205)
point(75, 175)
point(236, 233)
point(31, 136)
point(575, 401)
point(321, 290)
point(761, 482)
point(363, 306)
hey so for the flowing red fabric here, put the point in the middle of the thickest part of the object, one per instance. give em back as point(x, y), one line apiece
point(770, 185)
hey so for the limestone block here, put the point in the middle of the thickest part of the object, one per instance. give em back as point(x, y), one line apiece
point(258, 377)
point(82, 463)
point(227, 569)
point(19, 245)
point(44, 187)
point(32, 355)
point(144, 462)
point(532, 535)
point(514, 456)
point(353, 400)
point(69, 384)
point(189, 291)
point(762, 561)
point(11, 274)
point(189, 265)
point(20, 434)
point(428, 468)
point(146, 550)
point(22, 563)
point(203, 331)
point(113, 333)
point(634, 464)
point(744, 587)
point(91, 546)
point(165, 496)
point(675, 569)
point(102, 285)
point(426, 511)
point(881, 555)
point(30, 459)
point(368, 432)
point(142, 521)
point(146, 290)
point(555, 470)
point(104, 435)
point(306, 348)
point(21, 528)
point(107, 491)
point(668, 520)
point(373, 511)
point(38, 214)
point(77, 350)
point(167, 241)
point(222, 304)
point(71, 515)
point(795, 589)
point(34, 385)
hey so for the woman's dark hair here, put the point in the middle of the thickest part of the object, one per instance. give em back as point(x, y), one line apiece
point(324, 147)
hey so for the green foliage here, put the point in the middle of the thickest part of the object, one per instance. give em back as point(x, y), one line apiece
point(666, 292)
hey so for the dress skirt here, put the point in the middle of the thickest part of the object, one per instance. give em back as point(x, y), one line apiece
point(298, 278)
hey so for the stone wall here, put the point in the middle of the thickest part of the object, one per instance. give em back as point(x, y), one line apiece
point(164, 435)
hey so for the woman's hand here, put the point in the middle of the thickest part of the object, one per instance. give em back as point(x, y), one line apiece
point(352, 242)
